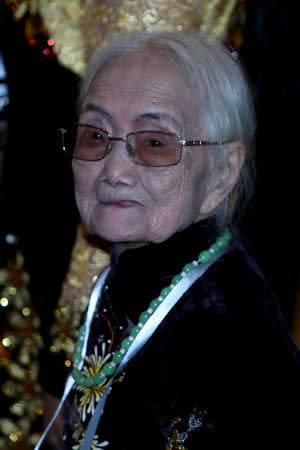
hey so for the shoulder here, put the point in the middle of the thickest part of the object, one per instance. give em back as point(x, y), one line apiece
point(231, 310)
point(234, 284)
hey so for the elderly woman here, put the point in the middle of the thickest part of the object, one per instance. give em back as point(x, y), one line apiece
point(183, 345)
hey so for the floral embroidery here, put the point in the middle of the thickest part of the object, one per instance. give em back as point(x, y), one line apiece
point(92, 394)
point(89, 397)
point(180, 430)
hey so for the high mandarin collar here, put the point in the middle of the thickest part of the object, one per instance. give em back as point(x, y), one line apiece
point(138, 274)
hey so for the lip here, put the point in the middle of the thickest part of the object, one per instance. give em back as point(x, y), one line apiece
point(120, 203)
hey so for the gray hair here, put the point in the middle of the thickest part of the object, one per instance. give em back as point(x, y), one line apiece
point(226, 111)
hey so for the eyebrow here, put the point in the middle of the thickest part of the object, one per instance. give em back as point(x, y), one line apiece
point(157, 116)
point(92, 107)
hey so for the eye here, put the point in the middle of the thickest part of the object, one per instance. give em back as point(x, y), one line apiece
point(155, 143)
point(96, 135)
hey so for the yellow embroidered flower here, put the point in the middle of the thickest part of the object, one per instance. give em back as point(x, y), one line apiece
point(91, 395)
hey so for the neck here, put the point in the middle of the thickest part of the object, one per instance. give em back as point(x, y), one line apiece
point(122, 246)
point(208, 227)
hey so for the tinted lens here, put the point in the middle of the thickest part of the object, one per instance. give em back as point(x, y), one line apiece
point(90, 143)
point(154, 148)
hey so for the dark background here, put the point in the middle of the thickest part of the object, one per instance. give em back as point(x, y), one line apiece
point(271, 56)
point(37, 199)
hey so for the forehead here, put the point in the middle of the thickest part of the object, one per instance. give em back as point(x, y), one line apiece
point(140, 82)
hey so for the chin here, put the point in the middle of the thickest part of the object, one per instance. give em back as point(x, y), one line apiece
point(115, 233)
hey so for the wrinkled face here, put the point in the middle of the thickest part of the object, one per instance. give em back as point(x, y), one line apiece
point(117, 199)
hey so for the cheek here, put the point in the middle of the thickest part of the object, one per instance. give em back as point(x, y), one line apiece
point(174, 201)
point(163, 186)
point(180, 186)
point(84, 180)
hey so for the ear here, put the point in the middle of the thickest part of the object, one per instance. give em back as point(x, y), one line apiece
point(224, 179)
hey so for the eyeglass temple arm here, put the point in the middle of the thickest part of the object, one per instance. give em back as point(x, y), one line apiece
point(199, 143)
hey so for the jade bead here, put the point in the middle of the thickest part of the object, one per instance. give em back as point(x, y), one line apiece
point(77, 375)
point(227, 235)
point(222, 242)
point(126, 343)
point(78, 346)
point(144, 317)
point(88, 381)
point(135, 331)
point(165, 291)
point(176, 279)
point(109, 368)
point(154, 304)
point(118, 357)
point(215, 248)
point(205, 256)
point(76, 357)
point(99, 378)
point(82, 330)
point(188, 267)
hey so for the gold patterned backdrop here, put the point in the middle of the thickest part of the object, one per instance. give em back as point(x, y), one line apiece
point(78, 26)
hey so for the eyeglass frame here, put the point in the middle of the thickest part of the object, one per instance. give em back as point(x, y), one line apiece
point(182, 142)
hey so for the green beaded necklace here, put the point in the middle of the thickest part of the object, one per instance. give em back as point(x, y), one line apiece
point(110, 367)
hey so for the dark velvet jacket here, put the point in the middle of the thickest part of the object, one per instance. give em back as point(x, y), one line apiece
point(220, 370)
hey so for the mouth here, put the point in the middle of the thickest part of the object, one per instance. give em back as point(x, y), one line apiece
point(120, 203)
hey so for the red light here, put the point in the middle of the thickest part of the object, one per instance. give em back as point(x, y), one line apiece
point(46, 51)
point(50, 42)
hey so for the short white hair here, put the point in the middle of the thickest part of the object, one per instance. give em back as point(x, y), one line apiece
point(226, 111)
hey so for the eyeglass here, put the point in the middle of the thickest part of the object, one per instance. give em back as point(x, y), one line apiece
point(145, 148)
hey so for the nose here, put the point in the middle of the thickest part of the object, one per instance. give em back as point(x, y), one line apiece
point(117, 166)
